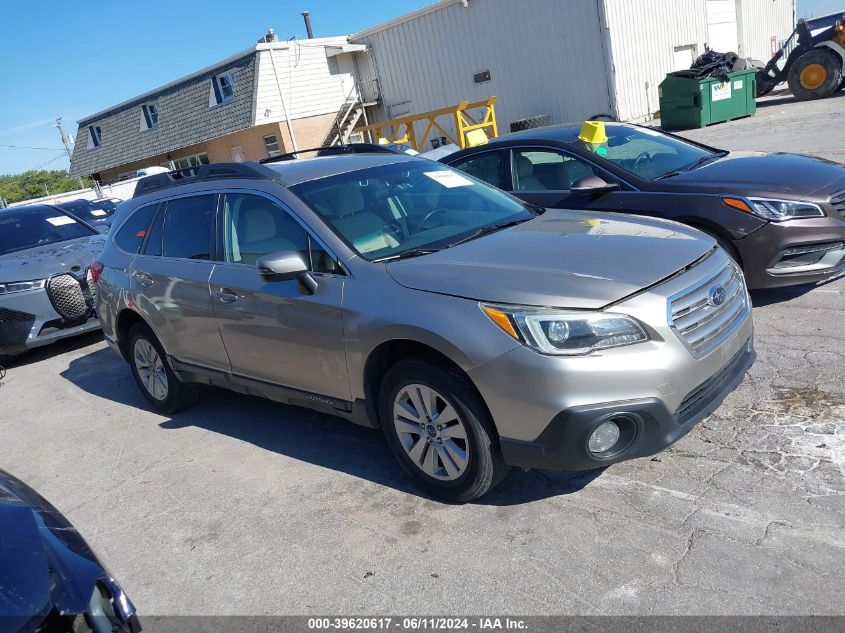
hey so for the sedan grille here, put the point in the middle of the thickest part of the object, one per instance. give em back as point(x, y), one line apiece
point(838, 202)
point(704, 315)
point(68, 298)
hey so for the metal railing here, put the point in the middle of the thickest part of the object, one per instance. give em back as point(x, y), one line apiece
point(401, 130)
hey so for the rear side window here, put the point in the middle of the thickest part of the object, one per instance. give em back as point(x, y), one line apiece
point(486, 167)
point(131, 235)
point(187, 227)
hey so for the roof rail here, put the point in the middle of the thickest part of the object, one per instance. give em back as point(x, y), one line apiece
point(331, 150)
point(214, 171)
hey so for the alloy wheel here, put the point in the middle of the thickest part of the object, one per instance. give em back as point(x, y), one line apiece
point(150, 369)
point(431, 432)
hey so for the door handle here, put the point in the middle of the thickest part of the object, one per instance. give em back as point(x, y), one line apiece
point(224, 295)
point(145, 280)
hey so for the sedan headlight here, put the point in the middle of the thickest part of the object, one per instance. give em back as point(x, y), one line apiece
point(564, 333)
point(776, 210)
point(21, 286)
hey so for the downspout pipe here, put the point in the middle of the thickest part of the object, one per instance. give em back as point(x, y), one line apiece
point(282, 98)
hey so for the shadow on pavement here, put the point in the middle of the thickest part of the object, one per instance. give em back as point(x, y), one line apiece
point(761, 298)
point(54, 349)
point(302, 434)
point(787, 98)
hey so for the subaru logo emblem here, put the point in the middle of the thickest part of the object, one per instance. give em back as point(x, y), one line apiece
point(717, 295)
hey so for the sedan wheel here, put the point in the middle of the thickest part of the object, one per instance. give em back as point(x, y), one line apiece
point(150, 369)
point(431, 432)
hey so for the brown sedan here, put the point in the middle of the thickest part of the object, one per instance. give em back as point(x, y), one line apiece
point(781, 216)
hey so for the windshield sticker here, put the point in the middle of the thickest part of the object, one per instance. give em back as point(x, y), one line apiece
point(448, 179)
point(59, 220)
point(98, 212)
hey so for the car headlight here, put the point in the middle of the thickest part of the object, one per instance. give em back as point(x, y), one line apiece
point(563, 333)
point(775, 210)
point(20, 286)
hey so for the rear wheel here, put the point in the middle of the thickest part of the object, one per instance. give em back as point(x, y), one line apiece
point(153, 375)
point(440, 431)
point(815, 75)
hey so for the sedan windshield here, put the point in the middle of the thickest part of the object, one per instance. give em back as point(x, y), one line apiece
point(408, 208)
point(29, 228)
point(650, 154)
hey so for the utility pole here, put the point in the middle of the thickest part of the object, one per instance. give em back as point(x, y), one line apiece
point(66, 143)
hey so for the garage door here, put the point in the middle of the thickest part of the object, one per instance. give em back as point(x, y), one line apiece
point(721, 26)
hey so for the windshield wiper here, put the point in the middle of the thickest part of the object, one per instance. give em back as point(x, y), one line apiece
point(414, 252)
point(698, 163)
point(535, 208)
point(486, 230)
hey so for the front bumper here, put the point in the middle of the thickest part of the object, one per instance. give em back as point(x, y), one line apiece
point(768, 262)
point(29, 319)
point(563, 444)
point(546, 407)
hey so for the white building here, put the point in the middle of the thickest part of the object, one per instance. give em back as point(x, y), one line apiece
point(569, 59)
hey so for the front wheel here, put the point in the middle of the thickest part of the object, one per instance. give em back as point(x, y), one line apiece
point(153, 375)
point(815, 75)
point(439, 430)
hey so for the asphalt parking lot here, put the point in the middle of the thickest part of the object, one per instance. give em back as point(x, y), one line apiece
point(242, 506)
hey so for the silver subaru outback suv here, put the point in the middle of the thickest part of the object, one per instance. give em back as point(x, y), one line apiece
point(477, 332)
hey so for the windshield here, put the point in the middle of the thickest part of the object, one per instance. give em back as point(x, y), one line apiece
point(87, 210)
point(650, 154)
point(407, 207)
point(20, 230)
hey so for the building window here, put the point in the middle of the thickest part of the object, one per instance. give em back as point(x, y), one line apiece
point(272, 145)
point(94, 136)
point(149, 116)
point(222, 89)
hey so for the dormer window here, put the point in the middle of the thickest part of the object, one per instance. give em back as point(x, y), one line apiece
point(94, 136)
point(222, 89)
point(149, 117)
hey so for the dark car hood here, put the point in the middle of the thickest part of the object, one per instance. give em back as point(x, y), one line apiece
point(44, 562)
point(43, 261)
point(572, 259)
point(759, 174)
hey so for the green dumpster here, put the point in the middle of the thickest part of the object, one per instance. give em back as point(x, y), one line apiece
point(689, 103)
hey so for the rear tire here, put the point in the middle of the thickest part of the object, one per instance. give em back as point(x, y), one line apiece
point(815, 75)
point(458, 460)
point(157, 382)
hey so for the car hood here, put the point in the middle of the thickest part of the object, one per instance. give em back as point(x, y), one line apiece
point(72, 256)
point(571, 259)
point(44, 562)
point(757, 174)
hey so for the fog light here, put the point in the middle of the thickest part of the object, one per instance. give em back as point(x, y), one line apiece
point(604, 437)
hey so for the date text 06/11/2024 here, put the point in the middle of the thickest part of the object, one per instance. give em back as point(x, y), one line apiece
point(416, 624)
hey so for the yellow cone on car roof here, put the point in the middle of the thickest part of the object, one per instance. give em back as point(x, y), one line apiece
point(593, 132)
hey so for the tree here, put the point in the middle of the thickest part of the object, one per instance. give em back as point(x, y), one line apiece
point(36, 184)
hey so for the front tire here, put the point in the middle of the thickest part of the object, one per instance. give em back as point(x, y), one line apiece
point(439, 430)
point(815, 75)
point(160, 386)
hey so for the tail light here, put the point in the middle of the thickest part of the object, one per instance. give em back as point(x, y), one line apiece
point(94, 272)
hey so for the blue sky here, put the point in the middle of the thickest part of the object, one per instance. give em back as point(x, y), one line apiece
point(71, 59)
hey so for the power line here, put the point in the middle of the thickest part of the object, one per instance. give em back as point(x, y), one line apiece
point(49, 149)
point(52, 160)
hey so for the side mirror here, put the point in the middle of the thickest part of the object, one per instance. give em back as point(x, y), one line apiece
point(286, 266)
point(592, 185)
